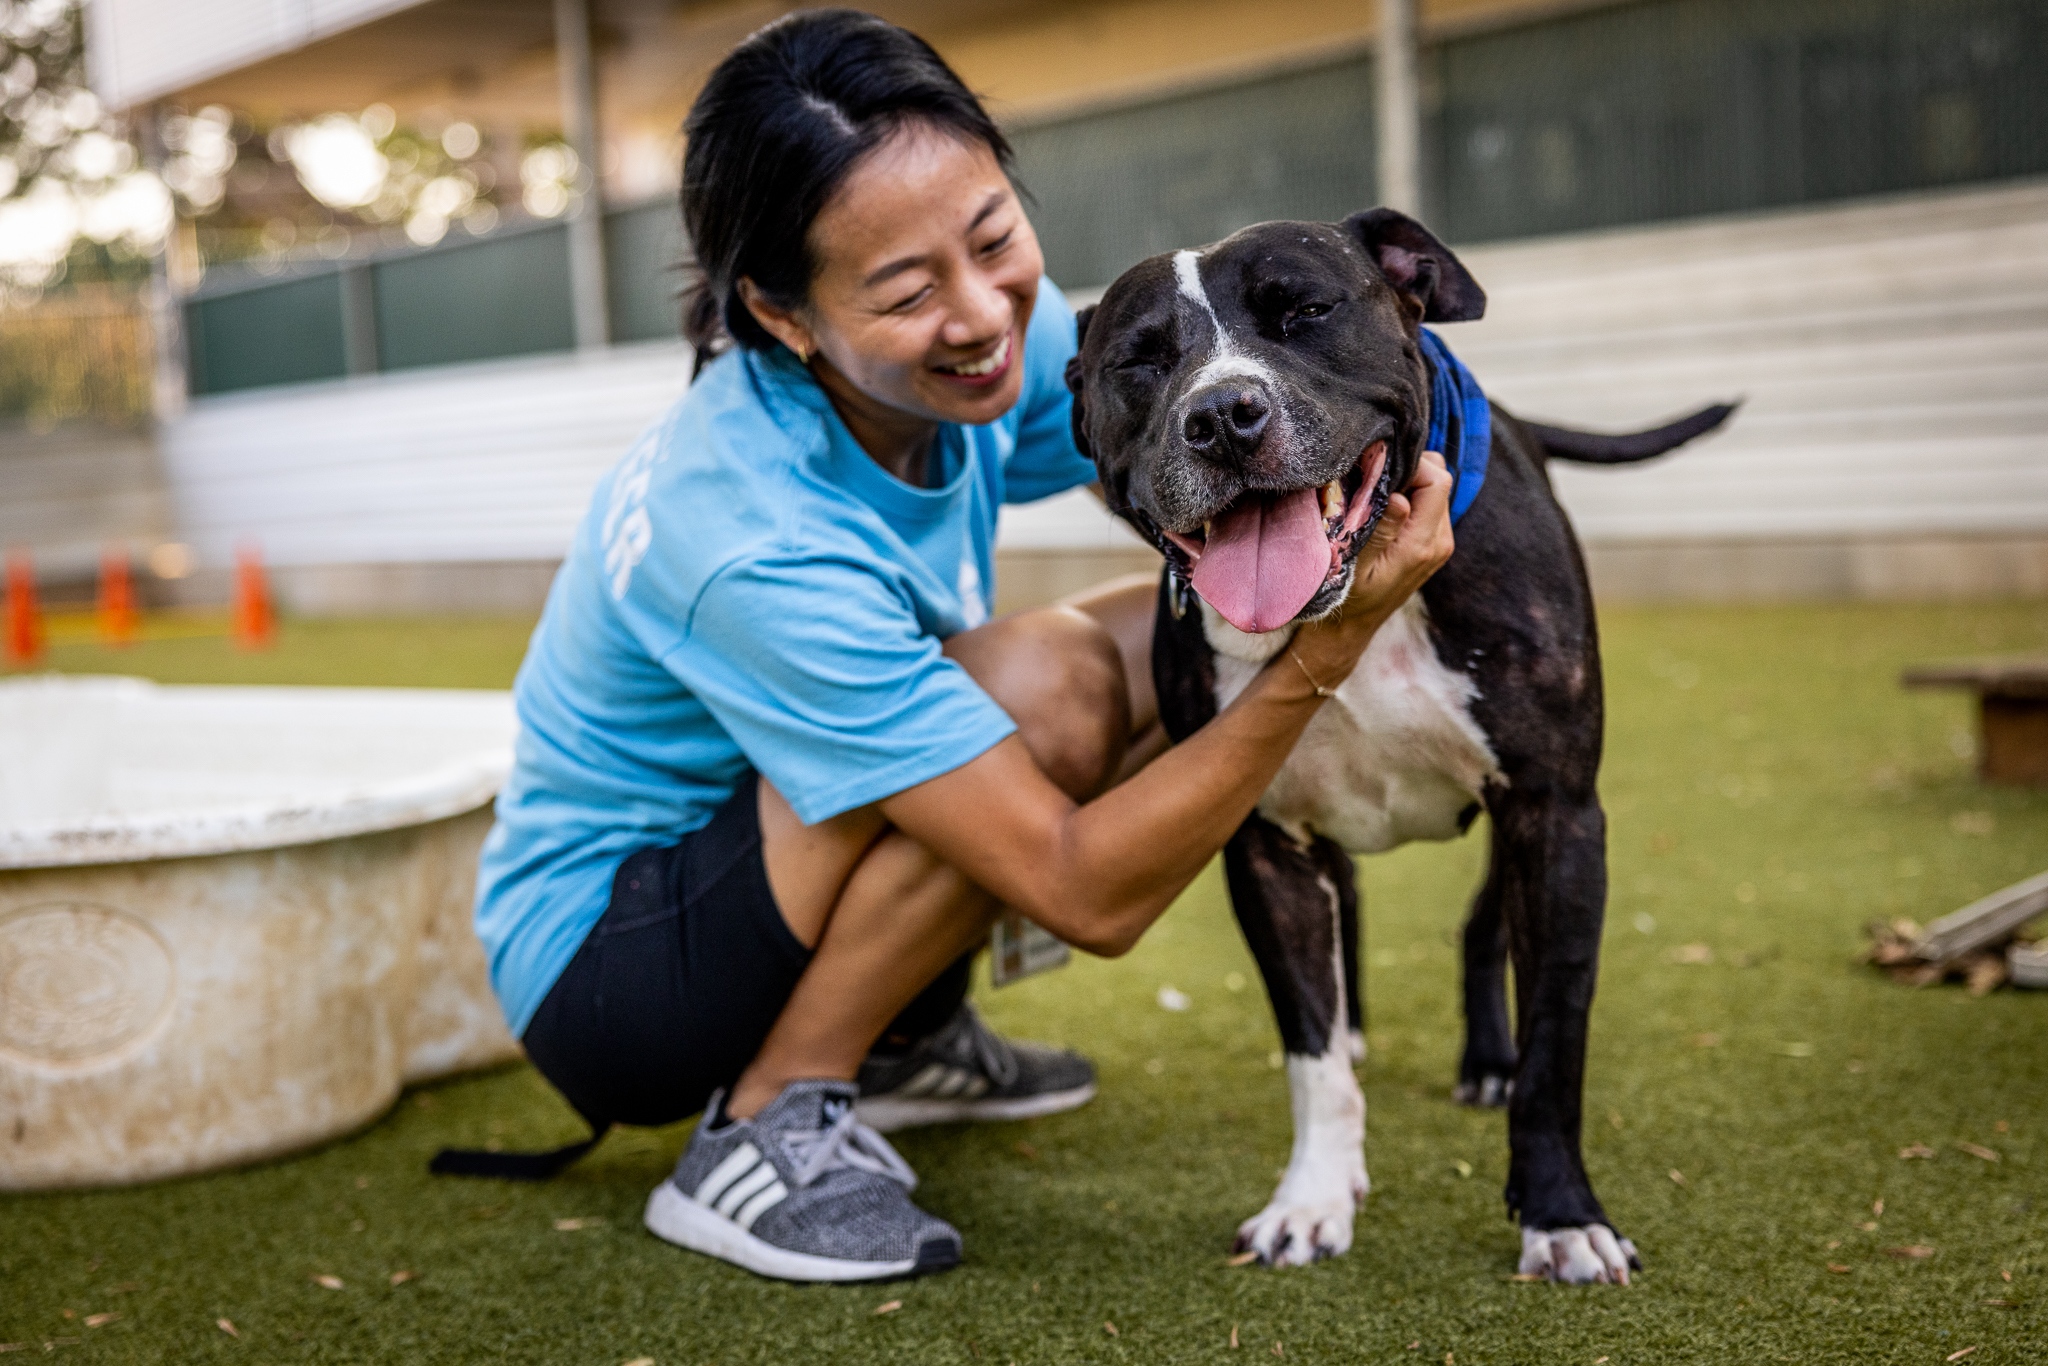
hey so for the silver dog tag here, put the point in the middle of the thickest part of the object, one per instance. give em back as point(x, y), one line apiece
point(1018, 948)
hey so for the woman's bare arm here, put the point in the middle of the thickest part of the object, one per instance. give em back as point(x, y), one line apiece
point(1098, 874)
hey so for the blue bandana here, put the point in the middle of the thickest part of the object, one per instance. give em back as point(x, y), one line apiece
point(1460, 422)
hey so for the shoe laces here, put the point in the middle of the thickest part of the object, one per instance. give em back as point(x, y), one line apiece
point(967, 1034)
point(845, 1142)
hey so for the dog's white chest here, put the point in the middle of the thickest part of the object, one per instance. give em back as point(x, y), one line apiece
point(1395, 756)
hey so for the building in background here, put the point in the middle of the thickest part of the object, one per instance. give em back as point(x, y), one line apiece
point(1835, 209)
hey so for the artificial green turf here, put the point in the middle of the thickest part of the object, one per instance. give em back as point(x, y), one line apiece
point(1770, 789)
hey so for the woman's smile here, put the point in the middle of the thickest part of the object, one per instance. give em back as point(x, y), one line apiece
point(990, 368)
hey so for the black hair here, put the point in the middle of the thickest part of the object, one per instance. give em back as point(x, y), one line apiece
point(773, 134)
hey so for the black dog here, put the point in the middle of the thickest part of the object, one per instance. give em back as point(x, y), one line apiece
point(1250, 407)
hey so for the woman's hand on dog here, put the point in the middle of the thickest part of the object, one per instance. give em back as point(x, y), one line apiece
point(1411, 542)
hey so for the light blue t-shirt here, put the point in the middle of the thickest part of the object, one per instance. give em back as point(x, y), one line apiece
point(749, 590)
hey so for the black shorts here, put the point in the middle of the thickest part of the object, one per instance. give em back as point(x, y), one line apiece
point(677, 985)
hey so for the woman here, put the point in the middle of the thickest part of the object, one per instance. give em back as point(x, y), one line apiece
point(776, 770)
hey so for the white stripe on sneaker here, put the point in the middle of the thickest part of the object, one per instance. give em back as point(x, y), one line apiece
point(924, 1081)
point(768, 1198)
point(737, 1163)
point(744, 1189)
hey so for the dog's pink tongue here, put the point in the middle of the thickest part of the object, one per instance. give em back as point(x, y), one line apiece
point(1264, 560)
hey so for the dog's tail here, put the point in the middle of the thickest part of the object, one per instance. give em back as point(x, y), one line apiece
point(1597, 448)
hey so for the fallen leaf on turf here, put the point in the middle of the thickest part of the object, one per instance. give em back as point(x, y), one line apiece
point(1026, 1151)
point(1464, 1169)
point(1278, 1350)
point(1244, 1259)
point(1793, 1050)
point(124, 1288)
point(1525, 1278)
point(1978, 1150)
point(2001, 1304)
point(641, 1361)
point(2002, 1127)
point(1984, 973)
point(1838, 1268)
point(1834, 1243)
point(1233, 1337)
point(572, 1225)
point(1959, 1354)
point(1694, 955)
point(891, 1307)
point(1415, 1346)
point(1913, 1150)
point(99, 1320)
point(2005, 1276)
point(227, 1326)
point(362, 1183)
point(13, 1347)
point(1677, 1177)
point(1110, 1328)
point(1709, 1040)
point(401, 1277)
point(1877, 1208)
point(1868, 1225)
point(1599, 1361)
point(1912, 1252)
point(328, 1282)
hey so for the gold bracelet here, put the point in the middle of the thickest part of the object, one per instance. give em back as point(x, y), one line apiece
point(1321, 691)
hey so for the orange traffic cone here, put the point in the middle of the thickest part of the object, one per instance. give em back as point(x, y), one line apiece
point(255, 624)
point(117, 614)
point(24, 617)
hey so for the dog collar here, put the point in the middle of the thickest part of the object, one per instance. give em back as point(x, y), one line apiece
point(1460, 422)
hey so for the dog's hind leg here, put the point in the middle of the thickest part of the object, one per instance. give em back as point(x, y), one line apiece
point(1553, 848)
point(1289, 898)
point(1486, 1072)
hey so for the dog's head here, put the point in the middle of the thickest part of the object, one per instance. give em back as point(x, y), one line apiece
point(1251, 405)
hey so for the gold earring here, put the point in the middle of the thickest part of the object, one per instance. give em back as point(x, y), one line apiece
point(803, 355)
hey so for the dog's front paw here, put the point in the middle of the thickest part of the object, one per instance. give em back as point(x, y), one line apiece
point(1592, 1255)
point(1295, 1234)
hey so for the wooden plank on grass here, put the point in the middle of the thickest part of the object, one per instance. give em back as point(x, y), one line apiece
point(1983, 923)
point(2000, 676)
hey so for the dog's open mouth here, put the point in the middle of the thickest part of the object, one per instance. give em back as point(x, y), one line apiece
point(1265, 557)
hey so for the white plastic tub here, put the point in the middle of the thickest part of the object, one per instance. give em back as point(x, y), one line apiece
point(233, 921)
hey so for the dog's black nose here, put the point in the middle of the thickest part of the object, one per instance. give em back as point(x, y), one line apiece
point(1226, 422)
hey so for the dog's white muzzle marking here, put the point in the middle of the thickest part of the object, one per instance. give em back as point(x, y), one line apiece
point(1228, 362)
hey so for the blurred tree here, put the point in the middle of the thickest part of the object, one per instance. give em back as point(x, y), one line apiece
point(74, 200)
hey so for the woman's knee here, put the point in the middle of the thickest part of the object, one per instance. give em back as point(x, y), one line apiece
point(1060, 676)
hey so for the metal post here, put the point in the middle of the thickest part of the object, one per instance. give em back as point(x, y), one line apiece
point(1400, 108)
point(168, 389)
point(577, 69)
point(358, 317)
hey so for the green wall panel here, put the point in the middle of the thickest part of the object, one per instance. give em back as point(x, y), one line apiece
point(1112, 188)
point(283, 333)
point(501, 296)
point(1675, 108)
point(643, 253)
point(1632, 113)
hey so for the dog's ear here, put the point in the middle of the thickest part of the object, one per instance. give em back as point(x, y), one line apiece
point(1420, 268)
point(1074, 386)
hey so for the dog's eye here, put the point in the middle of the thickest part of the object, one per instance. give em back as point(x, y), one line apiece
point(1301, 313)
point(1138, 363)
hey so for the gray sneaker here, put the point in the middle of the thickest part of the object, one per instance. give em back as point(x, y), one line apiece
point(803, 1191)
point(967, 1071)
